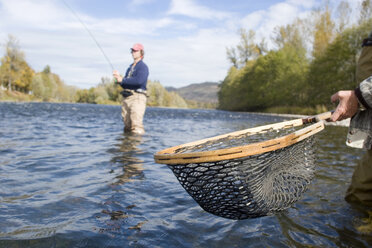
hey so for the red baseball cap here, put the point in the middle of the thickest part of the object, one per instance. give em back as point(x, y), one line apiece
point(137, 47)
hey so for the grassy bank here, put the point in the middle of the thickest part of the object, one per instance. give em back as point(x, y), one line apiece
point(16, 96)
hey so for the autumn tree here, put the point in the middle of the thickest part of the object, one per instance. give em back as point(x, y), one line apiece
point(365, 11)
point(343, 13)
point(49, 87)
point(290, 35)
point(335, 68)
point(232, 56)
point(323, 30)
point(246, 50)
point(159, 96)
point(15, 73)
point(113, 90)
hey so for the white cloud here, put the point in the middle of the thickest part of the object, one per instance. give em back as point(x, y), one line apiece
point(308, 4)
point(121, 26)
point(191, 9)
point(191, 59)
point(264, 22)
point(178, 51)
point(60, 40)
point(42, 14)
point(52, 35)
point(254, 20)
point(141, 2)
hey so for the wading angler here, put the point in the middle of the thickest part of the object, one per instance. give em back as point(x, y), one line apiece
point(134, 84)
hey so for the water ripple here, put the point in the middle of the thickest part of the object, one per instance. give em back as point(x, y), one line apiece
point(69, 177)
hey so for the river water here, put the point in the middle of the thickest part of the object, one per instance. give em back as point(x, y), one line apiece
point(70, 177)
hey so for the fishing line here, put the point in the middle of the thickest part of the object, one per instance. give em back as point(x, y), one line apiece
point(90, 33)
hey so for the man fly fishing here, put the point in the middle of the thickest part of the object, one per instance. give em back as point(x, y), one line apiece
point(134, 84)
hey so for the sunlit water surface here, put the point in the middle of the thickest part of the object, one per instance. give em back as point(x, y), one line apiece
point(70, 177)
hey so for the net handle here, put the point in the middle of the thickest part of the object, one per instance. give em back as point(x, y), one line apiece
point(320, 117)
point(168, 156)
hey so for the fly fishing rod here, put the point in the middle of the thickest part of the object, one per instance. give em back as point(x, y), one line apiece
point(90, 33)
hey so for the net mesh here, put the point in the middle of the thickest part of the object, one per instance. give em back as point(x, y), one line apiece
point(239, 140)
point(252, 186)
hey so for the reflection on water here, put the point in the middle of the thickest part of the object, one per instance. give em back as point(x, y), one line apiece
point(70, 177)
point(366, 225)
point(125, 154)
point(128, 153)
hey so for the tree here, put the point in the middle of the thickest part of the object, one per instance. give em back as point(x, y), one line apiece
point(49, 87)
point(100, 95)
point(343, 16)
point(47, 69)
point(274, 79)
point(16, 74)
point(226, 88)
point(232, 56)
point(37, 86)
point(112, 89)
point(365, 11)
point(246, 50)
point(159, 96)
point(335, 68)
point(323, 30)
point(290, 35)
point(262, 47)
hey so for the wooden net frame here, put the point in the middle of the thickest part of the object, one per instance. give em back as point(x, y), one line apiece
point(170, 155)
point(251, 180)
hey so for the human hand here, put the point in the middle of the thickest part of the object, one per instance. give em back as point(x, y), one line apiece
point(347, 105)
point(116, 75)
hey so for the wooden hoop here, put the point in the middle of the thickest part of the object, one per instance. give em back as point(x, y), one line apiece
point(168, 156)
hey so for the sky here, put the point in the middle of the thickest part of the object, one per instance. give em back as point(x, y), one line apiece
point(185, 40)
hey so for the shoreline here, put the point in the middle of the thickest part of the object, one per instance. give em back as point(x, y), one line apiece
point(343, 123)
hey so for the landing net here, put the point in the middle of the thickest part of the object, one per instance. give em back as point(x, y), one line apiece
point(249, 173)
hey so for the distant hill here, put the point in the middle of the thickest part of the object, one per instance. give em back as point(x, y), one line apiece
point(202, 92)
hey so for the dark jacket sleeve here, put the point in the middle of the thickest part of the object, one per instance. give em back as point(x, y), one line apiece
point(364, 93)
point(138, 79)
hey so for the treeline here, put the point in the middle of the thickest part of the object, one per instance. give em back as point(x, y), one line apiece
point(201, 105)
point(17, 76)
point(313, 59)
point(107, 92)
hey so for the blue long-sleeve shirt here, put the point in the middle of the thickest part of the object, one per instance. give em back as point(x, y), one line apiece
point(138, 80)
